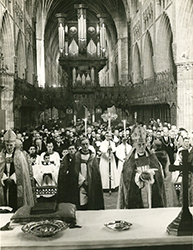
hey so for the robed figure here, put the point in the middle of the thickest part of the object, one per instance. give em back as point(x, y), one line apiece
point(84, 181)
point(15, 185)
point(107, 160)
point(141, 183)
point(46, 173)
point(67, 190)
point(163, 158)
point(121, 152)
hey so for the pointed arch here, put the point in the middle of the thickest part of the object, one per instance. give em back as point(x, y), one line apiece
point(136, 65)
point(164, 45)
point(148, 57)
point(20, 53)
point(185, 14)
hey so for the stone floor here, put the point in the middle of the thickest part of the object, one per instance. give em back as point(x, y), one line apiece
point(110, 200)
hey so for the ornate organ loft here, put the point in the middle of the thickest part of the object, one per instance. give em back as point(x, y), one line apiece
point(82, 55)
point(61, 60)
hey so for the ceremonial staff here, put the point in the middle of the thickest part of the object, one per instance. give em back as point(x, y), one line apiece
point(109, 151)
point(124, 128)
point(183, 224)
point(108, 116)
point(125, 138)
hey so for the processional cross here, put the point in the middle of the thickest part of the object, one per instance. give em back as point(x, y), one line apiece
point(183, 223)
point(108, 116)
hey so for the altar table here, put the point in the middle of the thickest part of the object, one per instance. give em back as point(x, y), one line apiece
point(147, 232)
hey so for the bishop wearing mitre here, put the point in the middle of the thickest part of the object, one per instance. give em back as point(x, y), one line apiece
point(141, 182)
point(15, 179)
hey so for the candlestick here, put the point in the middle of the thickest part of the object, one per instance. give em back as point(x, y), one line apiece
point(93, 118)
point(124, 127)
point(74, 120)
point(85, 126)
point(109, 121)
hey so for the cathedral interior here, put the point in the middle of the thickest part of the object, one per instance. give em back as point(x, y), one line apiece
point(61, 61)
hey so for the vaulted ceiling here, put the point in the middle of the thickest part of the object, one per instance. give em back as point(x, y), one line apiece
point(108, 7)
point(116, 10)
point(112, 8)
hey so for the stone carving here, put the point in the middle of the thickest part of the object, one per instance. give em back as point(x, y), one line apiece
point(137, 29)
point(73, 30)
point(18, 11)
point(91, 30)
point(148, 15)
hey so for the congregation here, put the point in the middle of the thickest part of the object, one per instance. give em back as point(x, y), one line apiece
point(77, 166)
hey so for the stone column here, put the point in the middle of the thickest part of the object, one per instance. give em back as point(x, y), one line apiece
point(40, 62)
point(185, 95)
point(7, 96)
point(122, 50)
point(123, 60)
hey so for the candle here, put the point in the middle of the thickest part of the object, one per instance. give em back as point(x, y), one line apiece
point(109, 121)
point(74, 120)
point(124, 127)
point(93, 118)
point(85, 124)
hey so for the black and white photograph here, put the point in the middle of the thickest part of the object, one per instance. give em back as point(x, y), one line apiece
point(96, 124)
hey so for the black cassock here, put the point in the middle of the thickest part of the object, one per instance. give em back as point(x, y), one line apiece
point(68, 190)
point(10, 188)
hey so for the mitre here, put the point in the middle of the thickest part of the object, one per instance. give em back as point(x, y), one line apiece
point(138, 134)
point(9, 136)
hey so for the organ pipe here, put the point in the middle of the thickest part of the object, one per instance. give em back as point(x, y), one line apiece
point(82, 29)
point(61, 31)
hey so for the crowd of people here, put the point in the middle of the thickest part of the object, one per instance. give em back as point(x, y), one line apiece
point(69, 165)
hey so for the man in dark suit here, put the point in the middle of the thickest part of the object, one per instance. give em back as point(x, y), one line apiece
point(59, 145)
point(167, 144)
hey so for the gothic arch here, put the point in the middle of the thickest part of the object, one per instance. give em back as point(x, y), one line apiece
point(20, 53)
point(136, 65)
point(185, 14)
point(148, 57)
point(164, 58)
point(134, 6)
point(7, 42)
point(127, 9)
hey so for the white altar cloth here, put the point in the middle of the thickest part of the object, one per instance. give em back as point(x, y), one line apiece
point(148, 229)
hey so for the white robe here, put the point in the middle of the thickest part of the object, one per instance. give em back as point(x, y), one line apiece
point(40, 170)
point(104, 165)
point(121, 152)
point(54, 157)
